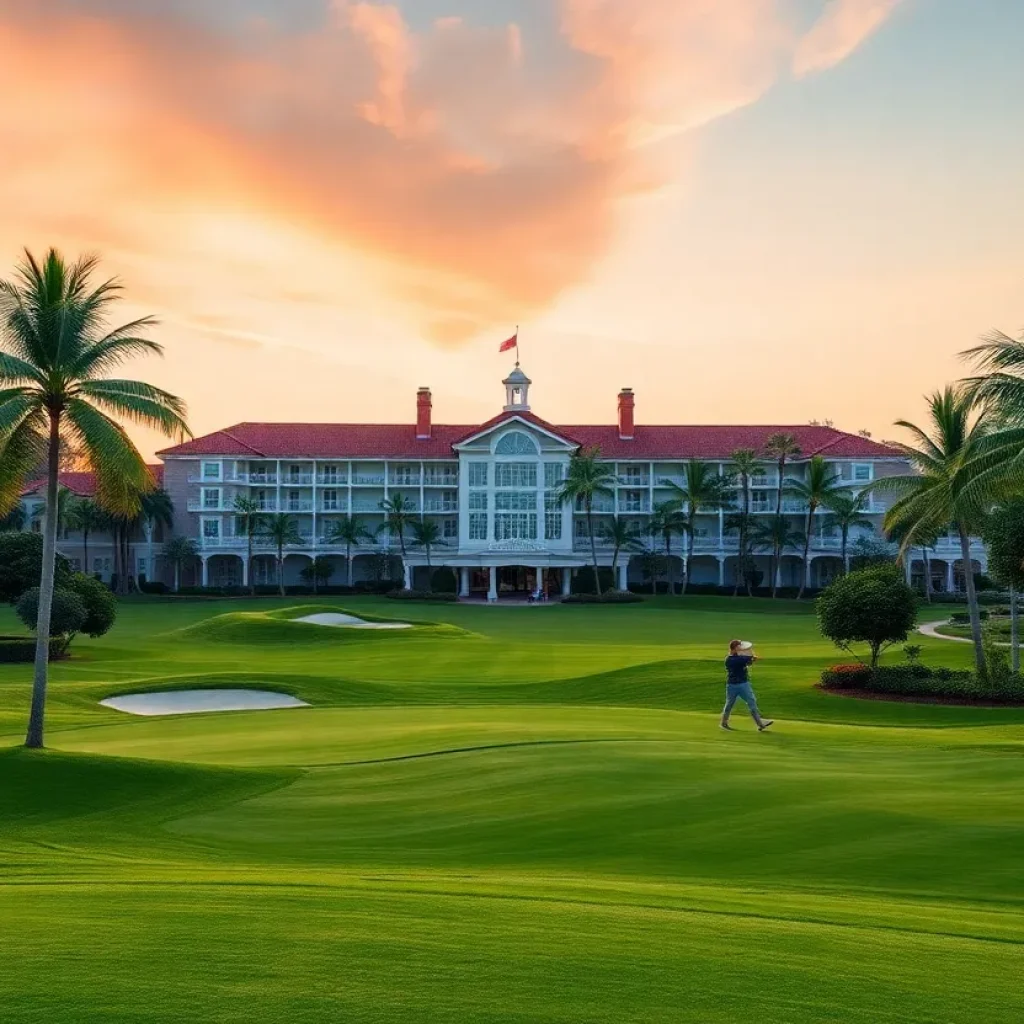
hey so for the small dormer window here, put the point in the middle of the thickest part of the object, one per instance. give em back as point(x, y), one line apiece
point(515, 443)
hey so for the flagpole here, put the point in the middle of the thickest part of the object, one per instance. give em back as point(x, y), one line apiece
point(517, 344)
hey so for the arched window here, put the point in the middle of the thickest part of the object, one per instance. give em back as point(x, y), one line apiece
point(515, 443)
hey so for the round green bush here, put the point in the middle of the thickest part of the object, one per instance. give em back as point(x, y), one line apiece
point(100, 603)
point(444, 581)
point(21, 565)
point(67, 614)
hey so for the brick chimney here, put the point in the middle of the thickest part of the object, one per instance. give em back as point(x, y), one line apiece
point(423, 404)
point(626, 414)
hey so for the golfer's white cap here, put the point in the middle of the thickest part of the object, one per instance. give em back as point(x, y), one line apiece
point(745, 645)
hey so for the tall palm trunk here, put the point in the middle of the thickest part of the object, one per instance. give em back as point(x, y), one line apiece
point(807, 551)
point(593, 546)
point(177, 576)
point(34, 735)
point(972, 601)
point(348, 563)
point(927, 574)
point(248, 564)
point(280, 569)
point(689, 555)
point(668, 563)
point(845, 550)
point(85, 551)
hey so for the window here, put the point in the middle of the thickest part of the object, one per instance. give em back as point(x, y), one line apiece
point(516, 501)
point(211, 470)
point(101, 565)
point(140, 567)
point(553, 525)
point(633, 501)
point(211, 529)
point(478, 526)
point(554, 474)
point(294, 501)
point(330, 475)
point(76, 564)
point(330, 501)
point(515, 443)
point(211, 497)
point(515, 526)
point(450, 529)
point(403, 474)
point(515, 474)
point(478, 501)
point(862, 472)
point(478, 474)
point(635, 476)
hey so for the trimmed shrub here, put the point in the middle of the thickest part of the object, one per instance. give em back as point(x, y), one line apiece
point(21, 649)
point(608, 597)
point(963, 618)
point(846, 677)
point(916, 680)
point(872, 606)
point(419, 595)
point(444, 581)
point(67, 616)
point(100, 604)
point(156, 587)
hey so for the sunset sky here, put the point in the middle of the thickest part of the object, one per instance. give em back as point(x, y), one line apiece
point(747, 210)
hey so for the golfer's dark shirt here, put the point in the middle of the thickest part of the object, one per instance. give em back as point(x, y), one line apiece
point(736, 665)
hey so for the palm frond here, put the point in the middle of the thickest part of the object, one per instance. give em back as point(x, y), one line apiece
point(21, 450)
point(140, 403)
point(115, 348)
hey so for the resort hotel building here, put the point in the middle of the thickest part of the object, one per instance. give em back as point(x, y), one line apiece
point(493, 490)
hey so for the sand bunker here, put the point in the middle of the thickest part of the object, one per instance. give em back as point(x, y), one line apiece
point(193, 702)
point(350, 621)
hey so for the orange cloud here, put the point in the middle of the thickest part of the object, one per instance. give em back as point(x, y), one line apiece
point(842, 27)
point(478, 181)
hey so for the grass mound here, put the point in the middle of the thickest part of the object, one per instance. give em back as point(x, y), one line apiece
point(281, 627)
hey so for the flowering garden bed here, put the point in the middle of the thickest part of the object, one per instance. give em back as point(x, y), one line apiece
point(920, 683)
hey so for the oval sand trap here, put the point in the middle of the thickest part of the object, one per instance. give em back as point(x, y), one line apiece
point(193, 702)
point(350, 621)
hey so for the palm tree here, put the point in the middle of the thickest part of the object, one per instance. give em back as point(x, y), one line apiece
point(818, 487)
point(281, 530)
point(86, 517)
point(180, 551)
point(248, 516)
point(782, 448)
point(157, 510)
point(622, 536)
point(776, 535)
point(320, 570)
point(944, 489)
point(705, 491)
point(909, 536)
point(55, 352)
point(586, 480)
point(426, 533)
point(846, 511)
point(668, 520)
point(745, 465)
point(65, 503)
point(398, 513)
point(349, 530)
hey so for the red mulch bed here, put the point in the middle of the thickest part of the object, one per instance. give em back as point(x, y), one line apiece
point(899, 698)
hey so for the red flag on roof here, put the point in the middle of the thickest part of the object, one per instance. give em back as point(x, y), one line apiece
point(510, 343)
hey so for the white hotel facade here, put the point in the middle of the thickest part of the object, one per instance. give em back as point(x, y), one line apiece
point(492, 488)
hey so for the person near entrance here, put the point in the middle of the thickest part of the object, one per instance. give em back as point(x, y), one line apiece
point(737, 686)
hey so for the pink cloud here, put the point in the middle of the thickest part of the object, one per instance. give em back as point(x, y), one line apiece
point(842, 27)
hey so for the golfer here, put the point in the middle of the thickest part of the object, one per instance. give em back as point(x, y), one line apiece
point(737, 666)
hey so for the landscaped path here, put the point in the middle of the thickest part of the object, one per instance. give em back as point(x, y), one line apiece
point(932, 629)
point(498, 818)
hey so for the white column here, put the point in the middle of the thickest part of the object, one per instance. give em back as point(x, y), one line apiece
point(908, 564)
point(949, 577)
point(807, 571)
point(245, 570)
point(623, 583)
point(407, 575)
point(464, 581)
point(721, 571)
point(566, 582)
point(492, 588)
point(206, 575)
point(538, 587)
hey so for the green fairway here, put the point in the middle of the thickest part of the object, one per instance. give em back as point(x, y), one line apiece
point(502, 814)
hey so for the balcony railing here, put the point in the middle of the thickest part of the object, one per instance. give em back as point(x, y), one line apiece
point(368, 479)
point(404, 479)
point(326, 480)
point(634, 481)
point(430, 505)
point(303, 505)
point(442, 480)
point(198, 505)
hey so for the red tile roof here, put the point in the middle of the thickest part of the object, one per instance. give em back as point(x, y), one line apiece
point(83, 485)
point(398, 441)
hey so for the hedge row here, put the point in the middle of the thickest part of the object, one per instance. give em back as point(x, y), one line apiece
point(264, 590)
point(922, 681)
point(22, 649)
point(421, 595)
point(608, 597)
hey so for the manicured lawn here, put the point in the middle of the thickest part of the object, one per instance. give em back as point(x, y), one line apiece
point(518, 814)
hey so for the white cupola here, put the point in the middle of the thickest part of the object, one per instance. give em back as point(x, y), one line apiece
point(517, 391)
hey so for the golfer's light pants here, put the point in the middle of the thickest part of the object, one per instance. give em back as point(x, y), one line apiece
point(743, 692)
